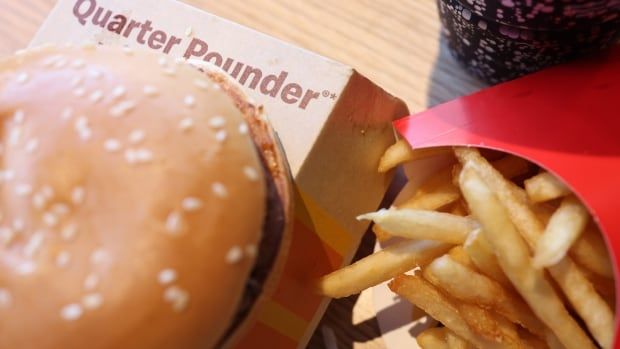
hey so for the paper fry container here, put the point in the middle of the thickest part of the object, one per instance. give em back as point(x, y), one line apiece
point(333, 123)
point(565, 119)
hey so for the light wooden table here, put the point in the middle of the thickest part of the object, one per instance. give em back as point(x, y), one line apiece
point(393, 42)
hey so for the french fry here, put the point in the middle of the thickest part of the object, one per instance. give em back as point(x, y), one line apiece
point(420, 224)
point(436, 192)
point(513, 257)
point(425, 296)
point(401, 152)
point(469, 286)
point(590, 252)
point(530, 341)
point(459, 255)
point(565, 226)
point(380, 233)
point(481, 253)
point(379, 267)
point(456, 342)
point(460, 209)
point(433, 338)
point(544, 187)
point(590, 306)
point(604, 286)
point(490, 325)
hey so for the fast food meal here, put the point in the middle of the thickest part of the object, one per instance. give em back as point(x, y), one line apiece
point(145, 203)
point(497, 250)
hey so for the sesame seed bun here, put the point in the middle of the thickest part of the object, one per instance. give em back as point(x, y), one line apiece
point(145, 203)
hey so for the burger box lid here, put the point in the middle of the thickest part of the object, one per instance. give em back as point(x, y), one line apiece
point(565, 119)
point(333, 123)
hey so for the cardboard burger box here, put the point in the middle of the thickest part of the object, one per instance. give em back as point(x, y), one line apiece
point(565, 119)
point(333, 123)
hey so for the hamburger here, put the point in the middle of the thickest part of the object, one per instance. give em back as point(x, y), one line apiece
point(146, 202)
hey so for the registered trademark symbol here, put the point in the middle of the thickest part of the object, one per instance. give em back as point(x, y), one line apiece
point(326, 93)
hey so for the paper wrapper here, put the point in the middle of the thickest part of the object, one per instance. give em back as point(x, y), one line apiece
point(565, 119)
point(333, 123)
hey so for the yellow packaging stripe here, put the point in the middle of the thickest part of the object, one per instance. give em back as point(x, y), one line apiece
point(282, 320)
point(326, 227)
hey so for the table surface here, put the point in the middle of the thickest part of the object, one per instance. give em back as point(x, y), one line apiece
point(394, 43)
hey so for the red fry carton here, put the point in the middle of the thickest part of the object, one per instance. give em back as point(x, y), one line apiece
point(565, 119)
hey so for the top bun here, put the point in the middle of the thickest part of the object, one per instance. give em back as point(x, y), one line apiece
point(133, 198)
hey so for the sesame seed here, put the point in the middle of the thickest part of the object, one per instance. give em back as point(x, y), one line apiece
point(217, 86)
point(150, 91)
point(76, 81)
point(34, 244)
point(221, 135)
point(6, 235)
point(47, 191)
point(251, 251)
point(23, 189)
point(99, 256)
point(78, 63)
point(174, 223)
point(50, 61)
point(128, 51)
point(167, 276)
point(71, 312)
point(118, 92)
point(63, 259)
point(186, 124)
point(162, 61)
point(6, 299)
point(7, 175)
point(180, 60)
point(22, 78)
point(189, 31)
point(169, 71)
point(234, 255)
point(26, 268)
point(219, 190)
point(79, 92)
point(96, 96)
point(217, 122)
point(60, 209)
point(92, 301)
point(95, 74)
point(112, 145)
point(122, 109)
point(14, 135)
point(32, 145)
point(91, 282)
point(60, 63)
point(66, 114)
point(138, 156)
point(243, 128)
point(250, 173)
point(18, 225)
point(190, 101)
point(18, 116)
point(38, 201)
point(69, 231)
point(50, 219)
point(82, 128)
point(177, 297)
point(191, 204)
point(77, 195)
point(136, 136)
point(201, 84)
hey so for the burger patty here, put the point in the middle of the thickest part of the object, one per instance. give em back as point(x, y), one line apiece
point(268, 249)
